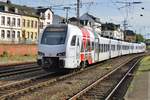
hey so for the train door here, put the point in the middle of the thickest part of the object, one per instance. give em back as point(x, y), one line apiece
point(118, 48)
point(78, 50)
point(110, 51)
point(96, 53)
point(72, 53)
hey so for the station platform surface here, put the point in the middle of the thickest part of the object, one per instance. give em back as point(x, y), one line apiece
point(140, 87)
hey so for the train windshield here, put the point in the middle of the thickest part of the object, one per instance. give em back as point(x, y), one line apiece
point(54, 35)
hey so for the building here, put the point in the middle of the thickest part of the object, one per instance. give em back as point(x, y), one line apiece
point(10, 24)
point(22, 24)
point(111, 30)
point(73, 21)
point(58, 19)
point(46, 17)
point(91, 21)
point(129, 36)
point(29, 29)
point(118, 34)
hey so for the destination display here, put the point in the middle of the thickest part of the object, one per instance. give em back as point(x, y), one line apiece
point(55, 29)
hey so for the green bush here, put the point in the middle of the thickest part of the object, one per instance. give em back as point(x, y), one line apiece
point(26, 55)
point(5, 54)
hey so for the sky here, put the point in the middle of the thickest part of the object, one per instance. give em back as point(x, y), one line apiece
point(107, 10)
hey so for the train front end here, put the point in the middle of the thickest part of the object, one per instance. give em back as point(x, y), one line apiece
point(52, 47)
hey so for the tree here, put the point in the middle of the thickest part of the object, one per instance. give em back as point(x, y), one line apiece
point(139, 38)
point(147, 41)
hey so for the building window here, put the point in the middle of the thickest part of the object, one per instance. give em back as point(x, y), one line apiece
point(8, 34)
point(24, 23)
point(28, 35)
point(18, 22)
point(8, 21)
point(18, 34)
point(14, 22)
point(13, 34)
point(3, 20)
point(2, 34)
point(32, 24)
point(31, 35)
point(28, 23)
point(35, 24)
point(23, 34)
point(49, 16)
point(35, 35)
point(41, 24)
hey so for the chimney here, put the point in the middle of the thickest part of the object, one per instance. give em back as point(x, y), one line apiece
point(6, 8)
point(16, 10)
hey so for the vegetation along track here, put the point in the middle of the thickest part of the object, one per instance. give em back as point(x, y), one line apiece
point(106, 86)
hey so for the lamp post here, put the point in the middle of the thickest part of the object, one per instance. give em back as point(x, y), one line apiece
point(78, 12)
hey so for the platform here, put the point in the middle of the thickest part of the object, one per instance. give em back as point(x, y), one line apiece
point(140, 87)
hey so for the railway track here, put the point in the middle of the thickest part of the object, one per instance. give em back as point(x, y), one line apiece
point(16, 89)
point(20, 87)
point(16, 65)
point(106, 86)
point(19, 70)
point(129, 73)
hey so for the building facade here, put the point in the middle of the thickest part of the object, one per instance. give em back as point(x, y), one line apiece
point(129, 36)
point(10, 27)
point(91, 21)
point(22, 24)
point(111, 30)
point(29, 29)
point(46, 17)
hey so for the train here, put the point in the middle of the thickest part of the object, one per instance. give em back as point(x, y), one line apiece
point(69, 47)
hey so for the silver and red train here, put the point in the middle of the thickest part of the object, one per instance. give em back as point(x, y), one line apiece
point(70, 47)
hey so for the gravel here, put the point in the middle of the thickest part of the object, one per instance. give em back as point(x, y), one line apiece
point(66, 88)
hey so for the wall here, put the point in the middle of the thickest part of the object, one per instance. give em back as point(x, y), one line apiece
point(18, 49)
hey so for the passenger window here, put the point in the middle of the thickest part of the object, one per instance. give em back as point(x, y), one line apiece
point(99, 47)
point(102, 47)
point(82, 48)
point(73, 41)
point(92, 45)
point(88, 45)
point(78, 42)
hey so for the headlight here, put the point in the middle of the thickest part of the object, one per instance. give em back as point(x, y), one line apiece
point(61, 54)
point(40, 53)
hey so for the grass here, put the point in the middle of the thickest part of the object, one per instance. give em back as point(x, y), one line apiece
point(16, 59)
point(144, 64)
point(148, 48)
